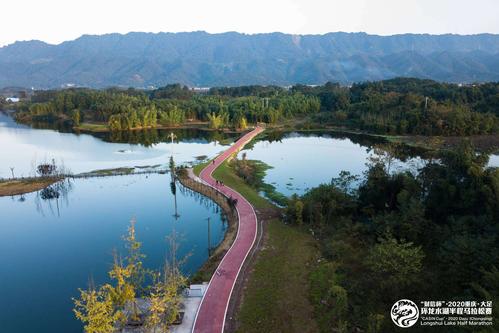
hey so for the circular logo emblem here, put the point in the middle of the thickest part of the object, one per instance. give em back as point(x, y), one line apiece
point(405, 313)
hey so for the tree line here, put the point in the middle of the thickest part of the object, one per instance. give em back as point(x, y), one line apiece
point(129, 109)
point(409, 106)
point(397, 106)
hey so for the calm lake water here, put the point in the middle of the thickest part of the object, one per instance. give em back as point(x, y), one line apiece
point(50, 248)
point(301, 161)
point(23, 148)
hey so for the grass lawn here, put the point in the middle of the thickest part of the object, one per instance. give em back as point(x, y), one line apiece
point(198, 167)
point(227, 175)
point(93, 127)
point(276, 298)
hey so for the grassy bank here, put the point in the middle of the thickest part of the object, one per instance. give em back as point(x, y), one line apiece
point(276, 297)
point(257, 171)
point(276, 294)
point(16, 187)
point(108, 172)
point(198, 167)
point(225, 173)
point(92, 127)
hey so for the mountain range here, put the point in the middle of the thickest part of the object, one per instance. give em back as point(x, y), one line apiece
point(200, 59)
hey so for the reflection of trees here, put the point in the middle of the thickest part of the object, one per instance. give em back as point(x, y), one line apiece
point(49, 193)
point(148, 137)
point(204, 201)
point(173, 186)
point(215, 136)
point(200, 199)
point(211, 205)
point(63, 126)
point(52, 195)
point(402, 152)
point(275, 136)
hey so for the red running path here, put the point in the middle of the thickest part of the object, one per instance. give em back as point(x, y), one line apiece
point(210, 317)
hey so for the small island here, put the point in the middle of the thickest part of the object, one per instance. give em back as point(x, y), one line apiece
point(27, 185)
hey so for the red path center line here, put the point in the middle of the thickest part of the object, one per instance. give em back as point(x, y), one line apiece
point(210, 317)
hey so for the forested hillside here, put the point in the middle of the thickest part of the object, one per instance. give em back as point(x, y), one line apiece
point(206, 60)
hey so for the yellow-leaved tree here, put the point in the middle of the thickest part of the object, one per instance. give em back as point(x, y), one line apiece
point(243, 124)
point(96, 311)
point(115, 305)
point(165, 297)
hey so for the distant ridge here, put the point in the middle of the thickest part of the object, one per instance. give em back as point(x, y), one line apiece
point(201, 59)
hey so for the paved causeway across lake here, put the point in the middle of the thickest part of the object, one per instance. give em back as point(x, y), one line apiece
point(211, 314)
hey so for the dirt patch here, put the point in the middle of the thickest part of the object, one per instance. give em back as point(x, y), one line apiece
point(23, 186)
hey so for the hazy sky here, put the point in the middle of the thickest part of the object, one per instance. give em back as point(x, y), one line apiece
point(54, 21)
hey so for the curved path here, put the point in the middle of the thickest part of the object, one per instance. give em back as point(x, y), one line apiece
point(210, 317)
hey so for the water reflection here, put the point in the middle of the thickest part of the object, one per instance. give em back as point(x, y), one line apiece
point(208, 203)
point(400, 151)
point(145, 137)
point(53, 240)
point(79, 153)
point(149, 137)
point(54, 194)
point(304, 160)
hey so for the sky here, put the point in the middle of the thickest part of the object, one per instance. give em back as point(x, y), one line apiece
point(55, 21)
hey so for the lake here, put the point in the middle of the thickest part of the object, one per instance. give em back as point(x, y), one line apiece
point(304, 160)
point(52, 244)
point(51, 247)
point(78, 153)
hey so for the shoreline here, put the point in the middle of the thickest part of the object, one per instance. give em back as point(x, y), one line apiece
point(20, 186)
point(102, 128)
point(484, 143)
point(205, 272)
point(25, 185)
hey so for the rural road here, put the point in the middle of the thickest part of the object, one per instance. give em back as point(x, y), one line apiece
point(212, 311)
